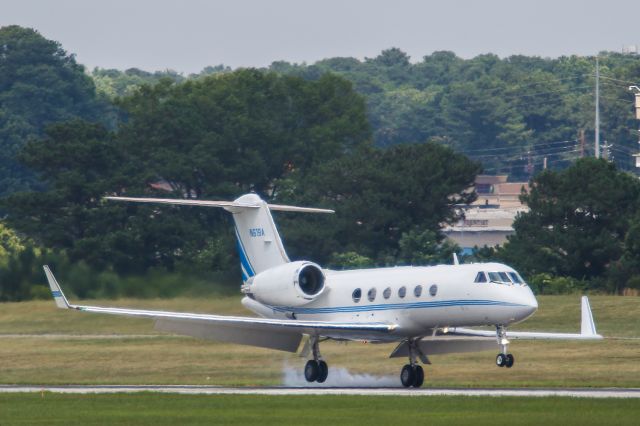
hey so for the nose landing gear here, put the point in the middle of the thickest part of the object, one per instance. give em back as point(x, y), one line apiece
point(503, 359)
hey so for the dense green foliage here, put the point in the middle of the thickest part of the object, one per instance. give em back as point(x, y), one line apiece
point(509, 113)
point(298, 141)
point(40, 84)
point(216, 137)
point(390, 204)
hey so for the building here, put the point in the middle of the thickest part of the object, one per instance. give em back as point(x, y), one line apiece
point(489, 220)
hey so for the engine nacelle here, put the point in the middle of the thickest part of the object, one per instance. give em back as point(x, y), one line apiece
point(290, 284)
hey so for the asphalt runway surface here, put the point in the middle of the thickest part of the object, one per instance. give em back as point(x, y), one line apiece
point(215, 390)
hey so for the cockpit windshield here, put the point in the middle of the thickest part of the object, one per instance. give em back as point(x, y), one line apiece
point(504, 277)
point(494, 277)
point(516, 278)
point(499, 277)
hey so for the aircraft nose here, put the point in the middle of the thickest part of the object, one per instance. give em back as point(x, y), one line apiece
point(531, 304)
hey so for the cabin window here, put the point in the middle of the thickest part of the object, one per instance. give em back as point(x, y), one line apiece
point(386, 293)
point(402, 291)
point(356, 295)
point(515, 278)
point(417, 291)
point(504, 277)
point(480, 278)
point(371, 295)
point(433, 290)
point(494, 277)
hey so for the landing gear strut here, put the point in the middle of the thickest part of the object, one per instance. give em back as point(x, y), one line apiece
point(412, 374)
point(316, 370)
point(503, 359)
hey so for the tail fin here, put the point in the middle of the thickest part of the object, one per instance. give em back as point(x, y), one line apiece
point(259, 244)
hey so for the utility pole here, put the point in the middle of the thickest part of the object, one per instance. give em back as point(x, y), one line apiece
point(597, 123)
point(605, 150)
point(636, 91)
point(581, 137)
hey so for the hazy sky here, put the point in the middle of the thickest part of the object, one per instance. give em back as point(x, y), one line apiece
point(188, 35)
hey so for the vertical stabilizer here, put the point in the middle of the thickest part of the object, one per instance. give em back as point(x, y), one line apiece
point(259, 244)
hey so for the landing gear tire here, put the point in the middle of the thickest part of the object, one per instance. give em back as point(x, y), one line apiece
point(311, 370)
point(510, 361)
point(419, 376)
point(408, 376)
point(501, 360)
point(323, 371)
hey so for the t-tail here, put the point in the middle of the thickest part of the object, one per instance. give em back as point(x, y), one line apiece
point(259, 244)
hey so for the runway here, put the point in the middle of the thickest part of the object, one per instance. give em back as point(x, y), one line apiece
point(215, 390)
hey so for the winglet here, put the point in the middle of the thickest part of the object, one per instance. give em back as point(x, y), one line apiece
point(56, 291)
point(587, 327)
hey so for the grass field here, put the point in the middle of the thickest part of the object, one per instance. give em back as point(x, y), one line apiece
point(158, 409)
point(79, 350)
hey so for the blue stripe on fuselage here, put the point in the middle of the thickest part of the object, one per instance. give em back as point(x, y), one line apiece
point(391, 306)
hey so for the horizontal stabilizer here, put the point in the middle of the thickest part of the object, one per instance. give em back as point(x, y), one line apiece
point(587, 326)
point(227, 205)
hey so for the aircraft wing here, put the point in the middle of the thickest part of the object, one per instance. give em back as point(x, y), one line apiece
point(263, 332)
point(587, 330)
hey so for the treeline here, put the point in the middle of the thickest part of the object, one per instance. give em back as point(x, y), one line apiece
point(508, 113)
point(381, 141)
point(289, 139)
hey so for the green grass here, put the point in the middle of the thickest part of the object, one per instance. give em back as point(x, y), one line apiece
point(162, 409)
point(164, 359)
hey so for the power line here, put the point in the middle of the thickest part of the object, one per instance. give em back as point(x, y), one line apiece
point(536, 160)
point(521, 86)
point(517, 148)
point(618, 80)
point(530, 154)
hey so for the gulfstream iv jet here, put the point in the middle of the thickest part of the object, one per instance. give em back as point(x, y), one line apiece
point(427, 310)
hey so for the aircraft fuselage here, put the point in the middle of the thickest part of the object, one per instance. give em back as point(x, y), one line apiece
point(417, 299)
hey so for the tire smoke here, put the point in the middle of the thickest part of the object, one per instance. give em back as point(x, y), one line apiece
point(338, 377)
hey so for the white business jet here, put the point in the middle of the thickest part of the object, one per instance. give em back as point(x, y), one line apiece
point(426, 309)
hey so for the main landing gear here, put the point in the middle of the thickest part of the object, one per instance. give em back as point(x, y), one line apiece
point(412, 374)
point(316, 370)
point(503, 359)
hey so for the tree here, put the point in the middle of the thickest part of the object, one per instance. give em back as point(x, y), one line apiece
point(241, 131)
point(577, 222)
point(426, 247)
point(10, 243)
point(39, 84)
point(215, 137)
point(379, 196)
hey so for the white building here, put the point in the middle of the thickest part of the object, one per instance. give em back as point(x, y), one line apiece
point(489, 220)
